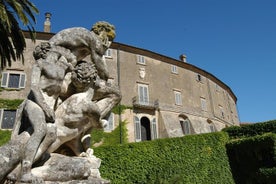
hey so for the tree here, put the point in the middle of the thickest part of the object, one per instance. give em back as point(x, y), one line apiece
point(12, 41)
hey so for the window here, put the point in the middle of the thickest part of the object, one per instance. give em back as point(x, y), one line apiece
point(199, 78)
point(141, 59)
point(203, 104)
point(174, 69)
point(221, 111)
point(185, 126)
point(143, 94)
point(13, 80)
point(108, 53)
point(110, 124)
point(7, 118)
point(178, 98)
point(212, 128)
point(217, 88)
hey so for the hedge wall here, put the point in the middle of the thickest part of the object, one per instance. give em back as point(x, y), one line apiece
point(253, 160)
point(5, 136)
point(190, 159)
point(251, 130)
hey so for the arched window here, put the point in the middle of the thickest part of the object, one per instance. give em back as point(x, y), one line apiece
point(211, 125)
point(185, 125)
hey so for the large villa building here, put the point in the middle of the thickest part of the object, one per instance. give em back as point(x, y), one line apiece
point(165, 97)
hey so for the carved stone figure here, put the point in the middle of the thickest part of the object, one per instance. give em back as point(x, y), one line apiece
point(68, 98)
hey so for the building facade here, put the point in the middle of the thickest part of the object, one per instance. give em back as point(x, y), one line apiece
point(165, 97)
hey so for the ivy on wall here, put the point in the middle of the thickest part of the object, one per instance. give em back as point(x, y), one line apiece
point(117, 136)
point(10, 104)
point(119, 109)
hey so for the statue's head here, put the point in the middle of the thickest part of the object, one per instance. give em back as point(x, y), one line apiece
point(105, 27)
point(84, 75)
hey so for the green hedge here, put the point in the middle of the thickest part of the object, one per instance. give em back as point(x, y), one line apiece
point(117, 136)
point(266, 175)
point(251, 130)
point(190, 159)
point(249, 157)
point(10, 104)
point(5, 136)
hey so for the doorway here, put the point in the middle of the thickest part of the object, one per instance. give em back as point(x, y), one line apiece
point(145, 129)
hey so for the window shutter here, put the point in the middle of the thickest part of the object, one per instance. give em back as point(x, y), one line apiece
point(141, 94)
point(146, 100)
point(4, 81)
point(154, 128)
point(187, 127)
point(111, 121)
point(1, 117)
point(137, 129)
point(22, 80)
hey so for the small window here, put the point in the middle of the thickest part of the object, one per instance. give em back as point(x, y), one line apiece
point(108, 53)
point(217, 88)
point(110, 124)
point(141, 59)
point(178, 98)
point(199, 78)
point(174, 69)
point(212, 128)
point(13, 80)
point(185, 126)
point(221, 111)
point(7, 118)
point(203, 104)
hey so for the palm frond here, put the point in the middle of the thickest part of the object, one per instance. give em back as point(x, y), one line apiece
point(11, 36)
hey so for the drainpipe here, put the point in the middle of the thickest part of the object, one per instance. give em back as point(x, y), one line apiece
point(119, 86)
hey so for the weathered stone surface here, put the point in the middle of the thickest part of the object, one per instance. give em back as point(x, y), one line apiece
point(11, 154)
point(88, 181)
point(68, 98)
point(65, 168)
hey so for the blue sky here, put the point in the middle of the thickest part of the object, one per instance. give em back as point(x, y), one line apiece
point(235, 40)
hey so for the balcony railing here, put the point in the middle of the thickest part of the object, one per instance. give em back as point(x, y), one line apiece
point(147, 104)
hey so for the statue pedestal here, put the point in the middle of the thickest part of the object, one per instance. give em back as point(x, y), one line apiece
point(61, 169)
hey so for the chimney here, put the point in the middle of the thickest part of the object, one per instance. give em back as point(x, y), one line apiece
point(183, 58)
point(47, 23)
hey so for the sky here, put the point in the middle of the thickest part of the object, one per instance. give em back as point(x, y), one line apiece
point(235, 40)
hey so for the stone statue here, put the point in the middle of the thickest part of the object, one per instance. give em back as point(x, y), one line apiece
point(68, 98)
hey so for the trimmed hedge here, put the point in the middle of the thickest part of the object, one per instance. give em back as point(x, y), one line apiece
point(10, 104)
point(190, 159)
point(266, 175)
point(251, 157)
point(251, 130)
point(5, 136)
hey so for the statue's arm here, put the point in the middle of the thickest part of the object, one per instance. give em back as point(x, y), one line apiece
point(100, 65)
point(37, 96)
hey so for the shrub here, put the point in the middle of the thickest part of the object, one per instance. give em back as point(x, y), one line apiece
point(190, 159)
point(10, 104)
point(266, 176)
point(5, 136)
point(251, 130)
point(248, 155)
point(117, 136)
